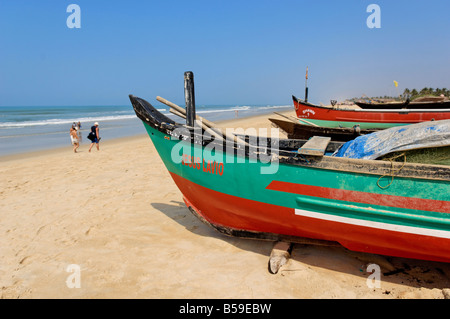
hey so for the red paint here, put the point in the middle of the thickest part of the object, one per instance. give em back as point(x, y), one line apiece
point(362, 197)
point(213, 167)
point(191, 161)
point(244, 214)
point(206, 166)
point(329, 114)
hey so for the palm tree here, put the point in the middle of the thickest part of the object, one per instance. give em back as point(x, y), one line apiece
point(423, 91)
point(406, 93)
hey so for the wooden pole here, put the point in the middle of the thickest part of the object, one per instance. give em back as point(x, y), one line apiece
point(306, 85)
point(205, 122)
point(296, 120)
point(173, 111)
point(281, 252)
point(307, 122)
point(216, 135)
point(183, 111)
point(189, 96)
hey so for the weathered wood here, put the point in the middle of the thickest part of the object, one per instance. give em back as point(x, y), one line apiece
point(315, 146)
point(296, 120)
point(286, 117)
point(279, 256)
point(175, 112)
point(217, 136)
point(183, 111)
point(189, 96)
point(205, 122)
point(307, 122)
point(302, 131)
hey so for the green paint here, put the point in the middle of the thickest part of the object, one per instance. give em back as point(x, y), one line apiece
point(242, 177)
point(362, 125)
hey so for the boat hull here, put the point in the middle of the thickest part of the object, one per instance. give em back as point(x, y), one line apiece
point(313, 199)
point(405, 105)
point(367, 119)
point(303, 131)
point(234, 215)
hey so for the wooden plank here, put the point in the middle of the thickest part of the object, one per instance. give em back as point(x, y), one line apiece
point(315, 146)
point(296, 120)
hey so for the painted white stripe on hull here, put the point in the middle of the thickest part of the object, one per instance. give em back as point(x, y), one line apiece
point(378, 225)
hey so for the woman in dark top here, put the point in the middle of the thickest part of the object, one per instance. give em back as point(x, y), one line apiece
point(96, 140)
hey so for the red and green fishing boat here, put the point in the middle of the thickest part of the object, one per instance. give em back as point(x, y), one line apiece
point(279, 193)
point(365, 118)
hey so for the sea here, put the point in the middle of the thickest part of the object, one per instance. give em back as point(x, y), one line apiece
point(35, 128)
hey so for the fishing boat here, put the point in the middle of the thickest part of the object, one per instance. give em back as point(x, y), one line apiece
point(367, 119)
point(421, 103)
point(287, 190)
point(296, 130)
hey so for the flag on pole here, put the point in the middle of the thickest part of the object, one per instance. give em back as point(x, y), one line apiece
point(396, 84)
point(307, 73)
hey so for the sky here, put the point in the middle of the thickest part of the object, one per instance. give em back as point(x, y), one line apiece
point(246, 52)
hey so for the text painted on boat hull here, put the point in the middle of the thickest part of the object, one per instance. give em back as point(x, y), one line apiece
point(210, 167)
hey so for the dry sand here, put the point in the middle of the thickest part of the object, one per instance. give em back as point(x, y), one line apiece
point(117, 215)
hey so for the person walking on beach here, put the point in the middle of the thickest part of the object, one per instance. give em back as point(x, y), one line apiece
point(74, 138)
point(79, 131)
point(94, 136)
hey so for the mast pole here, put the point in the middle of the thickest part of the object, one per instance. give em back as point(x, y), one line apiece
point(306, 85)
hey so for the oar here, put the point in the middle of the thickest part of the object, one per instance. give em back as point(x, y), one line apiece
point(205, 123)
point(206, 128)
point(173, 111)
point(308, 122)
point(296, 119)
point(183, 111)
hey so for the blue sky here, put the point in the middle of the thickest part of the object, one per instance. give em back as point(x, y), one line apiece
point(241, 52)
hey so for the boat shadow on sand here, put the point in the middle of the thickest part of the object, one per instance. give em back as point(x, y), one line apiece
point(402, 271)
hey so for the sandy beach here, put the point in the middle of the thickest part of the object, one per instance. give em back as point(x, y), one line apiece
point(117, 215)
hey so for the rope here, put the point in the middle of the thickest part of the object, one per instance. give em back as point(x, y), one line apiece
point(393, 172)
point(301, 157)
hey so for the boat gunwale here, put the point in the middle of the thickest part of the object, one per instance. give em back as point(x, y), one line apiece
point(342, 134)
point(151, 116)
point(402, 105)
point(361, 110)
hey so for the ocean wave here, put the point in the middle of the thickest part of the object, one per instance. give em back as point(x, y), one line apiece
point(126, 114)
point(268, 107)
point(243, 108)
point(65, 121)
point(219, 111)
